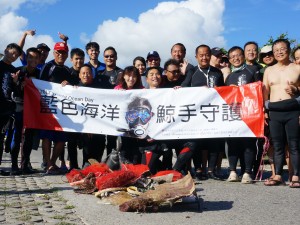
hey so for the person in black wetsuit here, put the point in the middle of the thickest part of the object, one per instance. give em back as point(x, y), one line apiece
point(208, 76)
point(243, 147)
point(281, 86)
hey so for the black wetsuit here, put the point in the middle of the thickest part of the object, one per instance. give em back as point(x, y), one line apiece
point(7, 106)
point(284, 125)
point(244, 147)
point(208, 77)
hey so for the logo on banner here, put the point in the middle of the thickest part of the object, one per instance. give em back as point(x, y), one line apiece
point(138, 115)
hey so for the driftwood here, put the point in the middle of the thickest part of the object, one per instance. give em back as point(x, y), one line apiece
point(164, 193)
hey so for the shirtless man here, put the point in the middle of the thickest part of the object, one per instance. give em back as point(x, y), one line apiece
point(281, 83)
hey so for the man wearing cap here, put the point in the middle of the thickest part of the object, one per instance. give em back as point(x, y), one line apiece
point(153, 59)
point(215, 60)
point(42, 47)
point(55, 71)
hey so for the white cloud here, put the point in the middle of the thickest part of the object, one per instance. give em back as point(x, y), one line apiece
point(191, 22)
point(10, 5)
point(13, 26)
point(13, 5)
point(12, 29)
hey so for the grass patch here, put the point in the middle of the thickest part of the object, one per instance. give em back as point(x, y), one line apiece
point(69, 207)
point(59, 217)
point(65, 223)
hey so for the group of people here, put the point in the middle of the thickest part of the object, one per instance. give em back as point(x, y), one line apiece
point(272, 65)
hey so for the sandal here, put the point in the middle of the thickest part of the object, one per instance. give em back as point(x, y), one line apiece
point(294, 184)
point(272, 182)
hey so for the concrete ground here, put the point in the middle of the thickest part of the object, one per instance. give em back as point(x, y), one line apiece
point(44, 199)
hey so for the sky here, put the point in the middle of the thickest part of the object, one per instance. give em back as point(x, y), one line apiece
point(135, 27)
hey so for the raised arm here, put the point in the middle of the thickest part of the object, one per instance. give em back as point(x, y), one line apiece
point(22, 40)
point(63, 37)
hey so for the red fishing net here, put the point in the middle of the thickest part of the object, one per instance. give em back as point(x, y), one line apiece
point(120, 178)
point(176, 175)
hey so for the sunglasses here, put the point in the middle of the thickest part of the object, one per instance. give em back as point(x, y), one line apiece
point(267, 54)
point(109, 56)
point(142, 113)
point(153, 59)
point(224, 60)
point(174, 72)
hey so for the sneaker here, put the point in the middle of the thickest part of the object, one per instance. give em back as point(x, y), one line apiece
point(27, 171)
point(233, 177)
point(15, 172)
point(4, 173)
point(246, 179)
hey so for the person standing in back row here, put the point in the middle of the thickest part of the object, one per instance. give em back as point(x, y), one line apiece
point(93, 51)
point(109, 77)
point(55, 71)
point(243, 147)
point(205, 75)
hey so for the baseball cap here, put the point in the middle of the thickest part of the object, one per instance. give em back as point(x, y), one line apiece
point(216, 51)
point(43, 46)
point(153, 54)
point(61, 46)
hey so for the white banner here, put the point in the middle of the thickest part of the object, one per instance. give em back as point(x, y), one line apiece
point(184, 113)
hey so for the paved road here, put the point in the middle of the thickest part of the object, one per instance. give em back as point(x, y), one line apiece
point(40, 199)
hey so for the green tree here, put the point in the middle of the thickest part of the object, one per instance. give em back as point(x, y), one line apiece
point(283, 36)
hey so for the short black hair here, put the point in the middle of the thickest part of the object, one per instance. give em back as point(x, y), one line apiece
point(152, 68)
point(15, 46)
point(112, 49)
point(77, 51)
point(286, 41)
point(33, 49)
point(202, 46)
point(251, 43)
point(181, 45)
point(92, 45)
point(171, 62)
point(86, 65)
point(140, 58)
point(235, 48)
